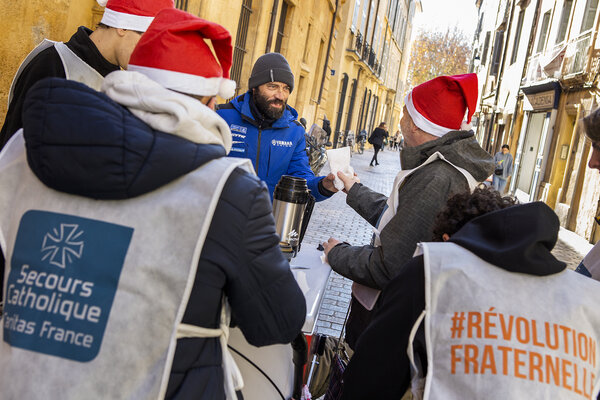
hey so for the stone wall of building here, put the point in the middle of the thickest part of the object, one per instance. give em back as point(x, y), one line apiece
point(24, 24)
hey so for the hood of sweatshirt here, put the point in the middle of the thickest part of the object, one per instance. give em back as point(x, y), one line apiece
point(517, 239)
point(80, 141)
point(458, 147)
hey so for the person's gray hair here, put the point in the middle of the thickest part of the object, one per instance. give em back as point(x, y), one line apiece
point(591, 123)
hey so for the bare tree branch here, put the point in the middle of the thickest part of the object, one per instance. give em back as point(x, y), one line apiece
point(438, 53)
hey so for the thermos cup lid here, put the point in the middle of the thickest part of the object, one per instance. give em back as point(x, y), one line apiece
point(291, 189)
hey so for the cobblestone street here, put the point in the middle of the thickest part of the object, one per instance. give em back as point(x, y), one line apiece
point(335, 218)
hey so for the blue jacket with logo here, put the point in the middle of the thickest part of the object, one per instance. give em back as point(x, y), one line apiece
point(274, 151)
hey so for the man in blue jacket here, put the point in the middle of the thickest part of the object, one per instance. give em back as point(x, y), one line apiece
point(265, 129)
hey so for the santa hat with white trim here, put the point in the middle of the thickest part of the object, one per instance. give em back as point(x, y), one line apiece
point(135, 15)
point(173, 52)
point(439, 106)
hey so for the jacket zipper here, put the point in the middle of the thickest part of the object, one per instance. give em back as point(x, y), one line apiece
point(258, 150)
point(268, 162)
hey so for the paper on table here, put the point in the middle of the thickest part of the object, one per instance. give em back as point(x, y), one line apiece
point(339, 160)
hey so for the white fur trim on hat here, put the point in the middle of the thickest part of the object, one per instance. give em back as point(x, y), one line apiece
point(227, 88)
point(465, 126)
point(132, 22)
point(423, 123)
point(102, 3)
point(188, 83)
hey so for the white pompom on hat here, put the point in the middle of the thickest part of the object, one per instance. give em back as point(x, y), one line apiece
point(173, 52)
point(439, 106)
point(135, 15)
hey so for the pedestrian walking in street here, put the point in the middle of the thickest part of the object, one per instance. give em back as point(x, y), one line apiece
point(499, 255)
point(377, 137)
point(87, 57)
point(503, 169)
point(397, 138)
point(441, 157)
point(133, 236)
point(265, 128)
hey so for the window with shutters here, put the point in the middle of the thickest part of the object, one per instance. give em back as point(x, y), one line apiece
point(239, 50)
point(515, 50)
point(564, 20)
point(543, 32)
point(497, 56)
point(281, 29)
point(589, 15)
point(356, 15)
point(486, 47)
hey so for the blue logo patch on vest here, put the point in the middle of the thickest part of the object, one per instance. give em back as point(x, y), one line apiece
point(64, 275)
point(238, 128)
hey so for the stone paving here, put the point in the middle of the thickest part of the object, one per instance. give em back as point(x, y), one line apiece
point(335, 218)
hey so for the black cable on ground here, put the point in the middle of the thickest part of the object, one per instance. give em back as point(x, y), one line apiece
point(259, 370)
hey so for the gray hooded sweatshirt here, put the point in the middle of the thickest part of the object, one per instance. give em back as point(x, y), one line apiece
point(420, 199)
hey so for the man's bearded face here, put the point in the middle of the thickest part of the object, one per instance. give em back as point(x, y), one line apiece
point(271, 99)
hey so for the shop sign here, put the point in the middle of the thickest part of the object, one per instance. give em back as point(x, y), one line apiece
point(542, 100)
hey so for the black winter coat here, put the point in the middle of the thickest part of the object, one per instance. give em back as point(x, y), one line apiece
point(118, 157)
point(377, 137)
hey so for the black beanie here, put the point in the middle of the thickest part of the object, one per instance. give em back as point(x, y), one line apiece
point(271, 67)
point(592, 125)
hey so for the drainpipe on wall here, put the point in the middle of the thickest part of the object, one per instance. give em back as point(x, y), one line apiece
point(326, 63)
point(272, 26)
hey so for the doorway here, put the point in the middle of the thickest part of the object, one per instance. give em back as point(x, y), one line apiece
point(529, 156)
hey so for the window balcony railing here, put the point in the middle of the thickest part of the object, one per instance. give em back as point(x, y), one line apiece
point(567, 62)
point(576, 55)
point(359, 43)
point(364, 52)
point(534, 70)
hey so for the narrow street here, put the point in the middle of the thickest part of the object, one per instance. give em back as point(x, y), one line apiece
point(335, 218)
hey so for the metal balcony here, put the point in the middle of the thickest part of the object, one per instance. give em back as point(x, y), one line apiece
point(576, 55)
point(359, 43)
point(365, 53)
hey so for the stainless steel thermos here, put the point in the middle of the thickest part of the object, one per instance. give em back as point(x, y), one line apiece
point(292, 208)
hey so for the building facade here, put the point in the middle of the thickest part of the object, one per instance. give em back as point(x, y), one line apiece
point(349, 57)
point(537, 61)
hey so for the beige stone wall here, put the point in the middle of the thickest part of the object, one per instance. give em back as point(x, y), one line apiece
point(23, 24)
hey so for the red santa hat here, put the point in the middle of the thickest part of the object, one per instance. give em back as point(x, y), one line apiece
point(173, 53)
point(135, 15)
point(439, 106)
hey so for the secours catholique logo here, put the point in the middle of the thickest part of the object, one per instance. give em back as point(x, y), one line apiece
point(62, 247)
point(64, 273)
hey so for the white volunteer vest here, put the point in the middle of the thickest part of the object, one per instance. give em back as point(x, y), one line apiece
point(496, 334)
point(75, 68)
point(95, 290)
point(368, 296)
